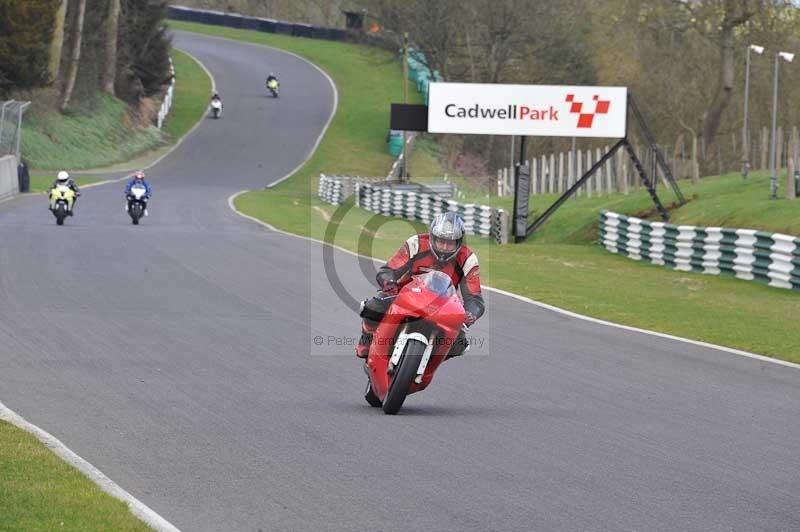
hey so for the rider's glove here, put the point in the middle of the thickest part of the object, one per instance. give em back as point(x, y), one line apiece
point(470, 319)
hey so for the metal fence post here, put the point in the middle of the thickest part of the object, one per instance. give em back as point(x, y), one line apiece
point(19, 126)
point(3, 119)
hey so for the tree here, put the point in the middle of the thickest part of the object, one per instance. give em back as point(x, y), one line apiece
point(26, 30)
point(110, 56)
point(77, 37)
point(434, 29)
point(717, 20)
point(58, 41)
point(143, 49)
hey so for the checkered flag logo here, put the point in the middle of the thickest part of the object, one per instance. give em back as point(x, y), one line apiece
point(586, 117)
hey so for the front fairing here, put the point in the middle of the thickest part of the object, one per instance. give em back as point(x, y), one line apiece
point(138, 192)
point(444, 310)
point(61, 192)
point(438, 316)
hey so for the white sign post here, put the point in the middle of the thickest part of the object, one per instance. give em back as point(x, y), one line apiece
point(529, 110)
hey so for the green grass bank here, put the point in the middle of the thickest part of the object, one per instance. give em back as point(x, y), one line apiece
point(40, 492)
point(42, 182)
point(96, 133)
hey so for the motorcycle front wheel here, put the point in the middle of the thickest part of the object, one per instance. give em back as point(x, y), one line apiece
point(61, 213)
point(404, 376)
point(135, 209)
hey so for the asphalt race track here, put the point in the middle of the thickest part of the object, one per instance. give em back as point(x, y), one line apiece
point(178, 357)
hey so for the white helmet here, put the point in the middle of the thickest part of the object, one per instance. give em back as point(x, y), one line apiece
point(62, 176)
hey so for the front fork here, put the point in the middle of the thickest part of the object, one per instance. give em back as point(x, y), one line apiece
point(399, 348)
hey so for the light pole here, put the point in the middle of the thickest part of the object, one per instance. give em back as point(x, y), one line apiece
point(404, 167)
point(745, 133)
point(786, 56)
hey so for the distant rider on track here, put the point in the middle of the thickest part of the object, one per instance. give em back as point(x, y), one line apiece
point(64, 179)
point(138, 178)
point(216, 104)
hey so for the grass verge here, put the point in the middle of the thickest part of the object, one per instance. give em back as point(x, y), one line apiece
point(190, 102)
point(40, 492)
point(91, 134)
point(562, 265)
point(42, 182)
point(97, 133)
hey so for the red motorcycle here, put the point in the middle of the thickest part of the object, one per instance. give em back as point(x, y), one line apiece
point(413, 339)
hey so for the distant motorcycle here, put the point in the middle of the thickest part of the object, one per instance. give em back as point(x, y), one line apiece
point(137, 202)
point(216, 108)
point(274, 87)
point(61, 200)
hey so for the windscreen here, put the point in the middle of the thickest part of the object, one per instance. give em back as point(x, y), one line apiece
point(437, 282)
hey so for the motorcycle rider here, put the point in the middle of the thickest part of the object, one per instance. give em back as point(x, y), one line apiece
point(443, 249)
point(270, 78)
point(63, 178)
point(138, 178)
point(216, 98)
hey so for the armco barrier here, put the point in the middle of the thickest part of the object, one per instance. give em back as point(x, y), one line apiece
point(336, 189)
point(9, 177)
point(232, 20)
point(166, 105)
point(402, 201)
point(771, 258)
point(420, 206)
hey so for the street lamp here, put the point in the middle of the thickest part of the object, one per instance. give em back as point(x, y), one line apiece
point(745, 133)
point(786, 56)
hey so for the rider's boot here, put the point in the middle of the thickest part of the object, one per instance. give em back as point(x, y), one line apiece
point(459, 346)
point(367, 330)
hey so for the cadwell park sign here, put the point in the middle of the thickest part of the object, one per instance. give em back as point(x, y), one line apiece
point(538, 111)
point(532, 110)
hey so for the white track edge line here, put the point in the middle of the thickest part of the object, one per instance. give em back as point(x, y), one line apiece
point(137, 507)
point(539, 304)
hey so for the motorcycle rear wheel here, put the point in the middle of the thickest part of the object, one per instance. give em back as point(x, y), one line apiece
point(404, 376)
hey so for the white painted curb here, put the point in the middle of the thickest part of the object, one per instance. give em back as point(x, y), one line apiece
point(137, 507)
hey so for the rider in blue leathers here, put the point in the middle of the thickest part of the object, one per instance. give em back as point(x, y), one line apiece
point(138, 178)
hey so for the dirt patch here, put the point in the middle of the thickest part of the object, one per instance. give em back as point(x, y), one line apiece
point(652, 212)
point(143, 114)
point(323, 213)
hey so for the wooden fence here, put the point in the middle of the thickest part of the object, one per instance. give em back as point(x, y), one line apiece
point(556, 173)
